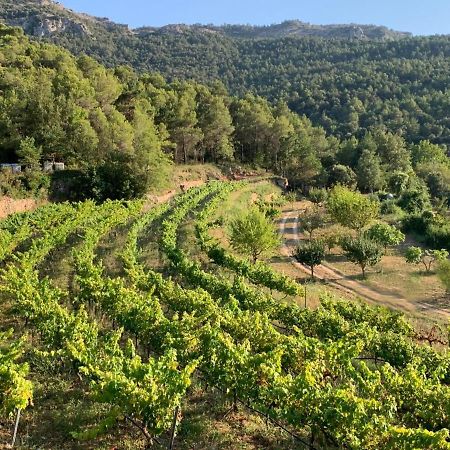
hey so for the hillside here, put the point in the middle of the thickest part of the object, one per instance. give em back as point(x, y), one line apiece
point(363, 77)
point(44, 18)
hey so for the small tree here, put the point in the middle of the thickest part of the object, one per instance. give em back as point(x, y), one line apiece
point(311, 254)
point(29, 154)
point(351, 209)
point(332, 236)
point(312, 219)
point(362, 251)
point(385, 235)
point(318, 195)
point(416, 255)
point(253, 234)
point(443, 272)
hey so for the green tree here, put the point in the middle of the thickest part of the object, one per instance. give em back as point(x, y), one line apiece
point(149, 162)
point(351, 209)
point(215, 121)
point(417, 255)
point(369, 172)
point(385, 234)
point(362, 251)
point(29, 154)
point(343, 175)
point(426, 152)
point(183, 123)
point(416, 199)
point(310, 254)
point(253, 234)
point(312, 219)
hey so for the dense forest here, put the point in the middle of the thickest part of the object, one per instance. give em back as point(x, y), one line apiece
point(347, 86)
point(73, 109)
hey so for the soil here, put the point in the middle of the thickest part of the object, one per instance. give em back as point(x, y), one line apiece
point(9, 206)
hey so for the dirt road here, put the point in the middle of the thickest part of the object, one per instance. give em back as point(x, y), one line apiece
point(289, 229)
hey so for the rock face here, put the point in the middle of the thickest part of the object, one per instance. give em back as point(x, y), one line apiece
point(47, 26)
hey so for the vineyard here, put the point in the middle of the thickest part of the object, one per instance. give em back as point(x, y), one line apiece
point(144, 344)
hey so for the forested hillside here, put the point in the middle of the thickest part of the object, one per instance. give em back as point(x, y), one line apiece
point(113, 124)
point(347, 84)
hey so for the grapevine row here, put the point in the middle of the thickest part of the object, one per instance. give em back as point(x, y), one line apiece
point(145, 392)
point(233, 362)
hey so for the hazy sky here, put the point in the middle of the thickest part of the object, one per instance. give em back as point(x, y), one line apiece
point(417, 16)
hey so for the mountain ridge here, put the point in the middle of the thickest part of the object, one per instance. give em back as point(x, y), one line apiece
point(44, 18)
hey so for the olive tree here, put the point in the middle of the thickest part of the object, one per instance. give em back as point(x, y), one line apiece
point(312, 219)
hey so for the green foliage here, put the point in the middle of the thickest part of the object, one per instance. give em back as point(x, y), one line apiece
point(362, 251)
point(311, 254)
point(16, 392)
point(312, 219)
point(415, 200)
point(417, 255)
point(401, 99)
point(351, 209)
point(385, 234)
point(318, 195)
point(342, 175)
point(369, 172)
point(29, 155)
point(253, 234)
point(443, 272)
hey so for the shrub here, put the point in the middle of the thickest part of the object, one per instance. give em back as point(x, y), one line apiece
point(443, 273)
point(318, 195)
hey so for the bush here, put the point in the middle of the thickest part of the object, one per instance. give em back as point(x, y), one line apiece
point(391, 207)
point(443, 272)
point(433, 227)
point(438, 236)
point(415, 223)
point(113, 180)
point(318, 195)
point(416, 200)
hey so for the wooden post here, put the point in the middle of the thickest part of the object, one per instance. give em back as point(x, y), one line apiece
point(174, 427)
point(305, 294)
point(16, 426)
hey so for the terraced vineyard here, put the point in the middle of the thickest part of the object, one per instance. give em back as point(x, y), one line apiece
point(179, 346)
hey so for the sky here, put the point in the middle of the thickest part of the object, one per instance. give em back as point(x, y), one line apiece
point(417, 16)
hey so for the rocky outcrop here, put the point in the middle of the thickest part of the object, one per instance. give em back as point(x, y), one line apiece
point(49, 25)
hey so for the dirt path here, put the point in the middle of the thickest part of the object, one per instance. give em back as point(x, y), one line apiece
point(289, 229)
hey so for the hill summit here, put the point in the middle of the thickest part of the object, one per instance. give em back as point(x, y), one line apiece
point(46, 18)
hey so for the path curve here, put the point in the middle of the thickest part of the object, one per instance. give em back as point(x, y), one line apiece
point(338, 280)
